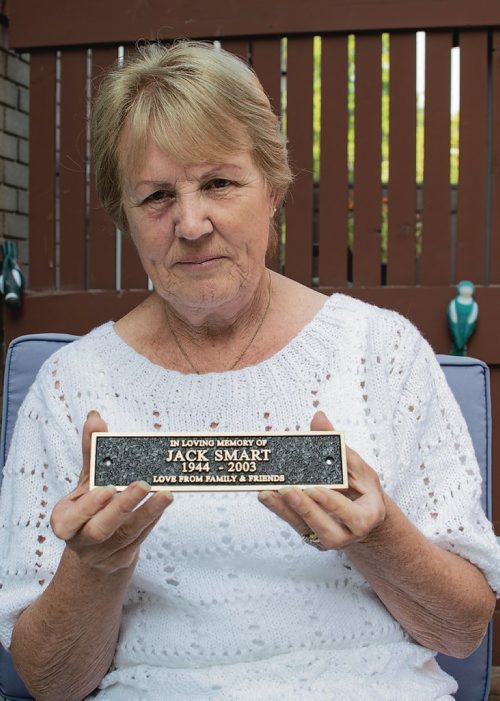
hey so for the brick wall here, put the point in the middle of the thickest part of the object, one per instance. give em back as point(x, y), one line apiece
point(14, 156)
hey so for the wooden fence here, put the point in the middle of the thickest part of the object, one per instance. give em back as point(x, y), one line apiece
point(82, 271)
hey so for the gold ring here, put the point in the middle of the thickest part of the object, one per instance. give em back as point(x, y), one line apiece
point(311, 538)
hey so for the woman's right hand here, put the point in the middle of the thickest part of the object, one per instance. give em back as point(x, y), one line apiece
point(102, 527)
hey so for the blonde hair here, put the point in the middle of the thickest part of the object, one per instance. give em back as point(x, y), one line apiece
point(197, 102)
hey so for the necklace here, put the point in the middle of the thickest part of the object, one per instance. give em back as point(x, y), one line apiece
point(245, 349)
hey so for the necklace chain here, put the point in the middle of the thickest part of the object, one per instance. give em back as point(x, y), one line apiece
point(245, 349)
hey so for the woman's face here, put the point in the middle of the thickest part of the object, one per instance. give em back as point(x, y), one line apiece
point(201, 230)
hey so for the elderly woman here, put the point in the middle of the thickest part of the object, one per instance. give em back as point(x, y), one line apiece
point(216, 596)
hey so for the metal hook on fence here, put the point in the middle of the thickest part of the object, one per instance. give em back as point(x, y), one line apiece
point(11, 277)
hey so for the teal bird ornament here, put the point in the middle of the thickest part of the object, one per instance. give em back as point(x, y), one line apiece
point(463, 313)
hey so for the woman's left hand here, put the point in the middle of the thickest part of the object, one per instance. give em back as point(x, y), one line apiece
point(444, 613)
point(337, 518)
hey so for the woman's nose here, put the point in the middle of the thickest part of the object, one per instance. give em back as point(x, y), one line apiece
point(192, 219)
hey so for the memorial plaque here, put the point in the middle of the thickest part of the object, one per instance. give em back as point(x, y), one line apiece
point(221, 462)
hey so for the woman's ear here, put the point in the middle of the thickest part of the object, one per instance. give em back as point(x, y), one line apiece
point(273, 200)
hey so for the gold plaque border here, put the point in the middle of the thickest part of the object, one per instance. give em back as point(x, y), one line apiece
point(221, 488)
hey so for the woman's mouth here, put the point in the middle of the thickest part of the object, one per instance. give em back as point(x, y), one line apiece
point(197, 263)
point(200, 261)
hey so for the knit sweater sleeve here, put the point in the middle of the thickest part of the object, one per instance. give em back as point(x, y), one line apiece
point(440, 485)
point(43, 465)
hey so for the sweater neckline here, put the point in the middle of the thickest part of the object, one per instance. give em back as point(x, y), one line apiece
point(296, 343)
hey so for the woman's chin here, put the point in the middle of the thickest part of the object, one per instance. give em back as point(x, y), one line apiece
point(199, 298)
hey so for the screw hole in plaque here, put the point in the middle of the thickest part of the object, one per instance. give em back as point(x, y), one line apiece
point(329, 460)
point(107, 462)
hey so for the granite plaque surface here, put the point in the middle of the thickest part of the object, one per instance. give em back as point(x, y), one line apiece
point(229, 462)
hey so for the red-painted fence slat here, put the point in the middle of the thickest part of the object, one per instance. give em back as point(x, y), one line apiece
point(59, 22)
point(101, 254)
point(401, 247)
point(132, 273)
point(334, 186)
point(299, 207)
point(73, 165)
point(266, 62)
point(494, 254)
point(238, 47)
point(471, 202)
point(436, 217)
point(367, 176)
point(42, 184)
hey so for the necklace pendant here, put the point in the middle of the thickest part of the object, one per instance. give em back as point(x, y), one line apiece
point(188, 360)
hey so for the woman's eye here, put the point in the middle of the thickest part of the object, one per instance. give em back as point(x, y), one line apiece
point(218, 184)
point(158, 196)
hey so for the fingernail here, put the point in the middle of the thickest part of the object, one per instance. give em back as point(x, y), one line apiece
point(311, 491)
point(284, 490)
point(293, 495)
point(94, 413)
point(265, 494)
point(105, 493)
point(319, 495)
point(144, 485)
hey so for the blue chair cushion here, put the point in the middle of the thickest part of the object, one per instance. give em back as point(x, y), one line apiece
point(469, 381)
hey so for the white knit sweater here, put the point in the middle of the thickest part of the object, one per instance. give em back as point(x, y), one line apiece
point(227, 602)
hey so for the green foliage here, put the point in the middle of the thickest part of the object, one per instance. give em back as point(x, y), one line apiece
point(316, 105)
point(351, 104)
point(385, 106)
point(454, 152)
point(420, 144)
point(284, 93)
